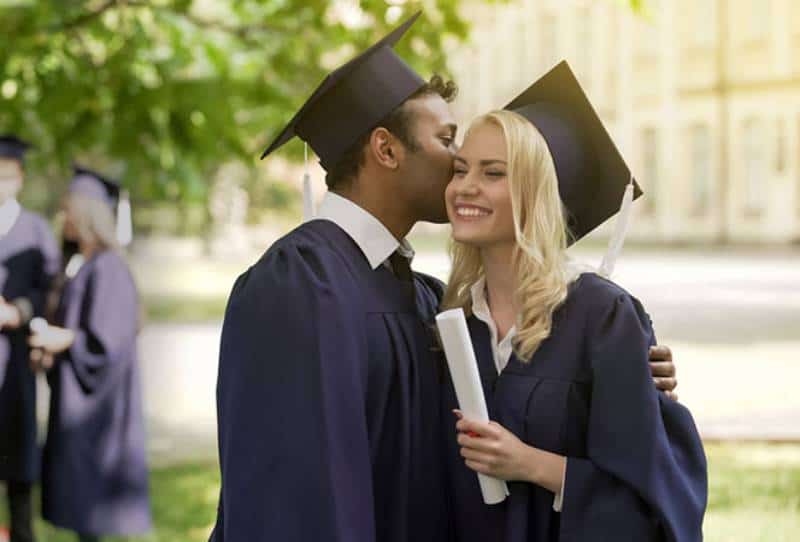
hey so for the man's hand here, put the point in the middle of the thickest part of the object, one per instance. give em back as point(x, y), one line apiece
point(663, 370)
point(10, 317)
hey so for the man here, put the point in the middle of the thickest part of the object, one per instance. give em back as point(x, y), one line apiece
point(328, 393)
point(28, 261)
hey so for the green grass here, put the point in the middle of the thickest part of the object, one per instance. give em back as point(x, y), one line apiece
point(184, 502)
point(754, 496)
point(184, 309)
point(754, 493)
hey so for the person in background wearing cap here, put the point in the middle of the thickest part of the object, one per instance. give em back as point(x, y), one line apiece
point(94, 475)
point(29, 260)
point(590, 449)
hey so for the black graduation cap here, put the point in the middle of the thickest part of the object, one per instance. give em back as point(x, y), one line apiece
point(13, 147)
point(351, 100)
point(592, 174)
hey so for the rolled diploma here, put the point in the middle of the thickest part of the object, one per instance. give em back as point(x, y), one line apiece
point(467, 382)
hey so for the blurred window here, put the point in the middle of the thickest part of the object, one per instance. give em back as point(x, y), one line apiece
point(549, 44)
point(584, 37)
point(755, 167)
point(649, 28)
point(780, 145)
point(701, 171)
point(650, 167)
point(759, 13)
point(704, 22)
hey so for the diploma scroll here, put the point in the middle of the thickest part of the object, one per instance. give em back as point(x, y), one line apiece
point(467, 382)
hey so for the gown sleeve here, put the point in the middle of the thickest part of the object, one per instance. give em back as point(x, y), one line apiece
point(645, 474)
point(108, 325)
point(33, 303)
point(291, 388)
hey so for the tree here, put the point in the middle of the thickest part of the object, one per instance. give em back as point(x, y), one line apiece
point(162, 92)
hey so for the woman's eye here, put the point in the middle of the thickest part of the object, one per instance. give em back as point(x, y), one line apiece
point(495, 174)
point(459, 172)
point(447, 140)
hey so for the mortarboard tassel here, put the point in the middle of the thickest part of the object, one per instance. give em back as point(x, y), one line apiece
point(124, 226)
point(617, 240)
point(308, 196)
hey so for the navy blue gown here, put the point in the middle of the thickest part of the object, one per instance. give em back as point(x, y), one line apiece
point(28, 262)
point(329, 400)
point(636, 469)
point(94, 478)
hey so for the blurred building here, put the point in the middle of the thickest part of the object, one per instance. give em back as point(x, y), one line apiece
point(702, 97)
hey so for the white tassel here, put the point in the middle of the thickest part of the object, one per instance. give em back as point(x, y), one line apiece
point(124, 225)
point(308, 195)
point(617, 240)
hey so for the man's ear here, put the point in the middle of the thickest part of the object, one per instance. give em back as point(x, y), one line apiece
point(385, 148)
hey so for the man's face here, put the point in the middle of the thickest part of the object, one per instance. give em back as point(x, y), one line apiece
point(10, 179)
point(428, 169)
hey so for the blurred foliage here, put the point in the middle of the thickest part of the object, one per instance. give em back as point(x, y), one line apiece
point(160, 92)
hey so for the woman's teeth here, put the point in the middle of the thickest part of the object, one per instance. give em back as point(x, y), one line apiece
point(471, 212)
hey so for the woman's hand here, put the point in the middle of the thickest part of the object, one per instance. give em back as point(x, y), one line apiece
point(41, 360)
point(52, 339)
point(491, 449)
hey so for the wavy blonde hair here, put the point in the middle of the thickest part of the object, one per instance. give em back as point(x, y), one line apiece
point(94, 220)
point(540, 261)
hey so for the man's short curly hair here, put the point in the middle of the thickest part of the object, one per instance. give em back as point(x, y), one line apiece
point(399, 122)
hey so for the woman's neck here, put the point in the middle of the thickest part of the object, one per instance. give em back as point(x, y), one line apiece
point(500, 286)
point(88, 249)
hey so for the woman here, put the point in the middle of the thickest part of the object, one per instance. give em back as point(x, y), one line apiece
point(591, 450)
point(94, 478)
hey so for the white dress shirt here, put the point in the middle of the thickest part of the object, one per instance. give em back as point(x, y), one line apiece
point(501, 351)
point(369, 234)
point(9, 213)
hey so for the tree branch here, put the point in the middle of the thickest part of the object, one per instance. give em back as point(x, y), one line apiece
point(88, 16)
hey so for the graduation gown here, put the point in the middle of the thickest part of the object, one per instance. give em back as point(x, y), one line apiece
point(328, 399)
point(28, 262)
point(636, 470)
point(94, 478)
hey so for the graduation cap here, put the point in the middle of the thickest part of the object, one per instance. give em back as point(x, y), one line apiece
point(592, 175)
point(13, 147)
point(91, 184)
point(352, 99)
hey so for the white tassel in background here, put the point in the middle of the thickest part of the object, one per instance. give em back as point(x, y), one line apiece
point(124, 224)
point(617, 240)
point(308, 195)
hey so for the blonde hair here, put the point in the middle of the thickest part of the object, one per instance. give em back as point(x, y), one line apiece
point(540, 261)
point(94, 220)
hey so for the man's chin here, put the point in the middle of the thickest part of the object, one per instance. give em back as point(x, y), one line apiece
point(437, 217)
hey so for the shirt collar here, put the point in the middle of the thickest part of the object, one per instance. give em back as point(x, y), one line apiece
point(501, 349)
point(9, 212)
point(375, 241)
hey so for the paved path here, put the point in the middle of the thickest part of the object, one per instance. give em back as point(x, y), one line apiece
point(733, 321)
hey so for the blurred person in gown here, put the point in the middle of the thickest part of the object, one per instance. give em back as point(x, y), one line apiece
point(95, 477)
point(28, 262)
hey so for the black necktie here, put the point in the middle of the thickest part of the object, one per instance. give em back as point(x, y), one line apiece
point(401, 266)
